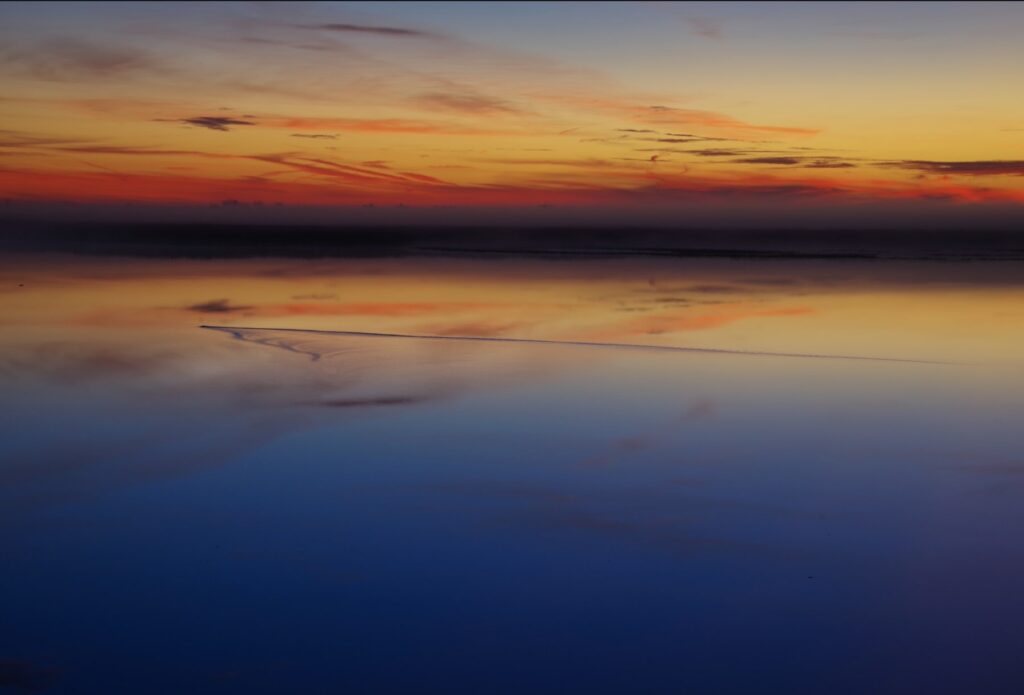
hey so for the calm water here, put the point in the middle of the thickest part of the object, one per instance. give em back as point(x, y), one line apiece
point(247, 509)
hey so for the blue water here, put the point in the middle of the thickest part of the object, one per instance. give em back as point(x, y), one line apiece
point(403, 516)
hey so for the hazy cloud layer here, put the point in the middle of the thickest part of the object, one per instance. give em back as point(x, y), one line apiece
point(69, 58)
point(467, 103)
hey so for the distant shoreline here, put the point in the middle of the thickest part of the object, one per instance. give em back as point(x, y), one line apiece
point(182, 240)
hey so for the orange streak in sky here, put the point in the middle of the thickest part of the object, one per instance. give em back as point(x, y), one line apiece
point(378, 125)
point(331, 184)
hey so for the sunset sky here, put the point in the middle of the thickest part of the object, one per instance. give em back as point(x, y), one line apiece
point(594, 106)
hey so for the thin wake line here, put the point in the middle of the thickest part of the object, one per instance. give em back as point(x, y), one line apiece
point(236, 331)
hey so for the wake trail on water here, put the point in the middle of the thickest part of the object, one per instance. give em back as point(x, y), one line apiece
point(245, 334)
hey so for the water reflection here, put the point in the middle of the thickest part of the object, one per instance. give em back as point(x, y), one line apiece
point(289, 504)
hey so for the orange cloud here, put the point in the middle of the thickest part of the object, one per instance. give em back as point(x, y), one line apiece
point(685, 118)
point(379, 125)
point(672, 117)
point(672, 323)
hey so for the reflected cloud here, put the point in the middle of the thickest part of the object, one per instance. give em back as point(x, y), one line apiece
point(373, 30)
point(322, 305)
point(657, 438)
point(367, 402)
point(390, 309)
point(671, 323)
point(701, 409)
point(665, 519)
point(216, 306)
point(72, 363)
point(472, 328)
point(238, 401)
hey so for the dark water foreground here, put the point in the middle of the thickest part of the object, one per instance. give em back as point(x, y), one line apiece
point(814, 485)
